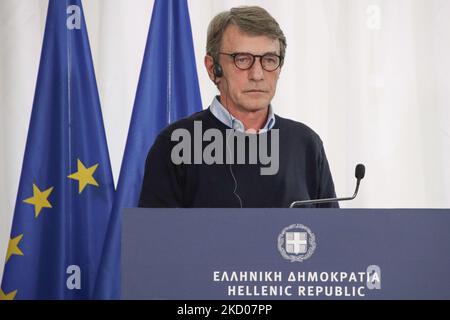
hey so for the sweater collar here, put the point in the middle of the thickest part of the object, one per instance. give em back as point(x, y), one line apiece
point(222, 114)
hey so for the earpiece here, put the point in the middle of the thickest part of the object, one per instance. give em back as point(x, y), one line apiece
point(217, 70)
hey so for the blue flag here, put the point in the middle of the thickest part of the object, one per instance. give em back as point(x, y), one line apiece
point(66, 187)
point(167, 91)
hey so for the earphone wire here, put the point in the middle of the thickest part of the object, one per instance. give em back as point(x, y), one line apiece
point(231, 162)
point(227, 143)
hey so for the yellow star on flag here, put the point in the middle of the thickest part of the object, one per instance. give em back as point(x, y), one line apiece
point(13, 247)
point(9, 296)
point(39, 199)
point(84, 176)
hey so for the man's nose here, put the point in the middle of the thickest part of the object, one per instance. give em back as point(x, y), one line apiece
point(256, 72)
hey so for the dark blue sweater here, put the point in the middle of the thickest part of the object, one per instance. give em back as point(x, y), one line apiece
point(303, 172)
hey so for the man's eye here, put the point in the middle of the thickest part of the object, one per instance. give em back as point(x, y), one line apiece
point(243, 59)
point(271, 60)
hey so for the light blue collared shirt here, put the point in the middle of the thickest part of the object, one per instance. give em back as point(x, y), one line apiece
point(221, 113)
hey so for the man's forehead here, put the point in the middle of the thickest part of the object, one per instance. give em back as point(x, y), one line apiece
point(234, 40)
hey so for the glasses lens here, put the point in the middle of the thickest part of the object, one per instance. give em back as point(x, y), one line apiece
point(243, 60)
point(270, 62)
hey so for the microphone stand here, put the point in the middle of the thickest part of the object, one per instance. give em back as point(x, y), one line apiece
point(318, 201)
point(359, 174)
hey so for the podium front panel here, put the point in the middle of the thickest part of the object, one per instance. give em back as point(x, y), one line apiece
point(258, 254)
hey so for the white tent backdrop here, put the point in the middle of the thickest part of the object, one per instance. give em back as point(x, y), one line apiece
point(371, 77)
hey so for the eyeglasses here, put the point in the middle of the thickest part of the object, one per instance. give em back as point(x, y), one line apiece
point(244, 61)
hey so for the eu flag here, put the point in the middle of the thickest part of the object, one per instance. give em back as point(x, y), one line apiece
point(167, 91)
point(66, 188)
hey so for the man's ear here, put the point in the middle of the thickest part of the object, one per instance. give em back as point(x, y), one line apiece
point(209, 64)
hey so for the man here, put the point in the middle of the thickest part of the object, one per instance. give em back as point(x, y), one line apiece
point(245, 54)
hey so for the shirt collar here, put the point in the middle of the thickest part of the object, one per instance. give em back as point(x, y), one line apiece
point(221, 113)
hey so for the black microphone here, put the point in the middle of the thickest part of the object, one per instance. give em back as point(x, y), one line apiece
point(360, 171)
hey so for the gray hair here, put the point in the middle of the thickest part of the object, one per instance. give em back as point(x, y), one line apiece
point(251, 20)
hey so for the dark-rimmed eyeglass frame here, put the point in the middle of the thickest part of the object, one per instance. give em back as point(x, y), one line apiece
point(236, 56)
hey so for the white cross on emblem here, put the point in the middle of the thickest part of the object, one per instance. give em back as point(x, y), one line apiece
point(296, 242)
